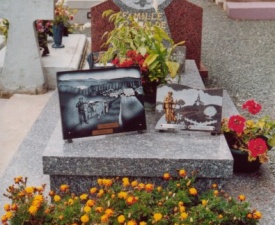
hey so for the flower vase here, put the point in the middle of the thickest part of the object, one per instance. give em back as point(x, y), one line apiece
point(150, 95)
point(57, 36)
point(241, 163)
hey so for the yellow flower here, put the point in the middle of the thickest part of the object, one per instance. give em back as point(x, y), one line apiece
point(122, 194)
point(125, 182)
point(8, 215)
point(107, 182)
point(104, 218)
point(100, 193)
point(132, 222)
point(39, 198)
point(141, 186)
point(87, 209)
point(166, 176)
point(61, 217)
point(32, 210)
point(36, 203)
point(14, 207)
point(100, 181)
point(214, 186)
point(7, 207)
point(93, 190)
point(182, 209)
point(56, 198)
point(121, 219)
point(71, 201)
point(216, 192)
point(83, 196)
point(134, 183)
point(4, 219)
point(220, 216)
point(193, 191)
point(84, 218)
point(29, 190)
point(257, 215)
point(249, 123)
point(149, 187)
point(183, 215)
point(261, 124)
point(157, 216)
point(180, 203)
point(182, 173)
point(18, 179)
point(159, 189)
point(241, 197)
point(204, 202)
point(90, 203)
point(142, 223)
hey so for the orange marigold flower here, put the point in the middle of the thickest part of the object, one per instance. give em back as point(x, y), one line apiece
point(216, 192)
point(8, 215)
point(7, 207)
point(4, 219)
point(56, 198)
point(257, 215)
point(193, 191)
point(182, 209)
point(142, 223)
point(204, 202)
point(90, 202)
point(109, 212)
point(93, 190)
point(180, 203)
point(241, 197)
point(64, 187)
point(149, 187)
point(14, 207)
point(157, 216)
point(249, 215)
point(121, 219)
point(104, 218)
point(182, 173)
point(220, 216)
point(39, 198)
point(214, 185)
point(61, 217)
point(166, 176)
point(51, 193)
point(159, 189)
point(107, 182)
point(18, 179)
point(84, 218)
point(100, 181)
point(99, 209)
point(131, 200)
point(141, 186)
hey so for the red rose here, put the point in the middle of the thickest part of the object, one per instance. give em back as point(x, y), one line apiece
point(257, 147)
point(252, 106)
point(236, 123)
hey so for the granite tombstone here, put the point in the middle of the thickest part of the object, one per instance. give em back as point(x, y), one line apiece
point(182, 19)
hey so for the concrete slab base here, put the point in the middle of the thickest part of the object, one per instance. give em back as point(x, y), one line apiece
point(251, 10)
point(72, 57)
point(144, 156)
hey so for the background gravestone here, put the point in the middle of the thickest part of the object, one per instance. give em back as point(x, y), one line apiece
point(22, 71)
point(182, 19)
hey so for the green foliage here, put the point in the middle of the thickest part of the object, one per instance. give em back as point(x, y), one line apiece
point(121, 201)
point(144, 38)
point(4, 28)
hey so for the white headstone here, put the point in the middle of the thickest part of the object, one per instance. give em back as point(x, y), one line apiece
point(22, 71)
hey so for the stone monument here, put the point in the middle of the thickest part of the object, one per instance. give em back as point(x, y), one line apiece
point(182, 19)
point(22, 71)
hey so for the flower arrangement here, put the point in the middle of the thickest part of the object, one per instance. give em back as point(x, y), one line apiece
point(4, 28)
point(63, 14)
point(120, 201)
point(143, 44)
point(256, 137)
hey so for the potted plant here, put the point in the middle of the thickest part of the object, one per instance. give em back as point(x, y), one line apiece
point(121, 201)
point(143, 44)
point(249, 140)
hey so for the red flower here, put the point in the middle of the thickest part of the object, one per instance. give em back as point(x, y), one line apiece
point(252, 106)
point(257, 147)
point(127, 63)
point(115, 61)
point(236, 123)
point(139, 58)
point(131, 54)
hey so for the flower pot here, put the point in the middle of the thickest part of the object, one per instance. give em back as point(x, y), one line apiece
point(241, 163)
point(57, 36)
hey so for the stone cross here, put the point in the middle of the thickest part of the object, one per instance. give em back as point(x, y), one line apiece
point(22, 71)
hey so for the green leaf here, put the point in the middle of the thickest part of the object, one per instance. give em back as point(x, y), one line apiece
point(271, 141)
point(173, 68)
point(142, 50)
point(151, 58)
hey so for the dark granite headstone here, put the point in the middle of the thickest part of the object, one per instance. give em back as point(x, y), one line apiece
point(182, 19)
